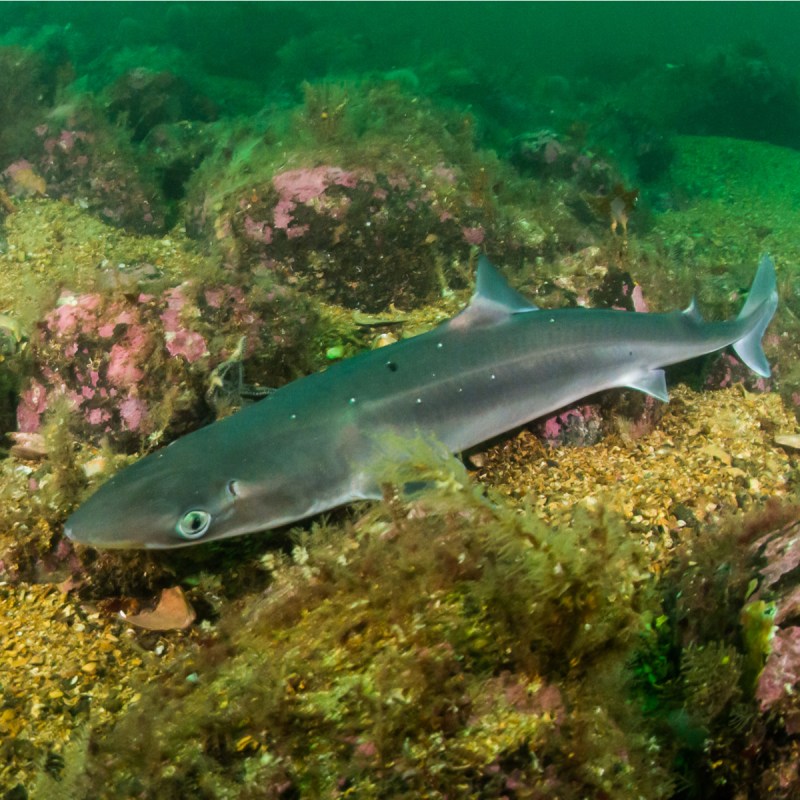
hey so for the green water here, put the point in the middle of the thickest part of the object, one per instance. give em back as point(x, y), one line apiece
point(515, 66)
point(244, 39)
point(503, 43)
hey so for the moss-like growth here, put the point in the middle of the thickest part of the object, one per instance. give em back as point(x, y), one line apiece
point(27, 86)
point(368, 195)
point(67, 479)
point(699, 664)
point(445, 645)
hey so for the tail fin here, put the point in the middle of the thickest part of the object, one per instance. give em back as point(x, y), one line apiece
point(761, 303)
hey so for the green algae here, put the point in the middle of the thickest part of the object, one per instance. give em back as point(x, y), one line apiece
point(698, 663)
point(420, 181)
point(737, 199)
point(445, 645)
point(50, 245)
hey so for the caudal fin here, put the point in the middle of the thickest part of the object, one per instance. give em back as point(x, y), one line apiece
point(761, 304)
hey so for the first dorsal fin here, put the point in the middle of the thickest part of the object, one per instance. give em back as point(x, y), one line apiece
point(493, 301)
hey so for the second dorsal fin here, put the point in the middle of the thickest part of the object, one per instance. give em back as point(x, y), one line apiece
point(693, 312)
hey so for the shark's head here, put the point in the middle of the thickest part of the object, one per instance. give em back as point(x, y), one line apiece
point(178, 496)
point(151, 504)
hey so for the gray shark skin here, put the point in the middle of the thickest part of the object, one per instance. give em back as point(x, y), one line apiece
point(313, 444)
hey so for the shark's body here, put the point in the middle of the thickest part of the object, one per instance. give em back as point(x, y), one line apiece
point(313, 445)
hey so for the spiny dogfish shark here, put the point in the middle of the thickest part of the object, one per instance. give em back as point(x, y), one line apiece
point(314, 444)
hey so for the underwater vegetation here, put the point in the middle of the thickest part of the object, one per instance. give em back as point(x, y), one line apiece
point(113, 356)
point(434, 649)
point(718, 667)
point(28, 88)
point(744, 95)
point(191, 215)
point(343, 208)
point(451, 643)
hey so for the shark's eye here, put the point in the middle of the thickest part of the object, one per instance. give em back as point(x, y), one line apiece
point(194, 524)
point(232, 488)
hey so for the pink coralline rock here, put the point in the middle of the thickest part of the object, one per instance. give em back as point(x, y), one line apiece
point(85, 160)
point(579, 426)
point(72, 312)
point(358, 237)
point(474, 236)
point(618, 290)
point(232, 300)
point(133, 413)
point(228, 307)
point(781, 673)
point(301, 186)
point(187, 344)
point(779, 681)
point(789, 607)
point(179, 340)
point(32, 404)
point(728, 370)
point(91, 350)
point(214, 297)
point(98, 351)
point(637, 297)
point(583, 425)
point(98, 416)
point(112, 356)
point(782, 554)
point(261, 231)
point(122, 367)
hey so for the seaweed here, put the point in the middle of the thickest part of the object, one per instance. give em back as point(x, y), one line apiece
point(697, 671)
point(445, 643)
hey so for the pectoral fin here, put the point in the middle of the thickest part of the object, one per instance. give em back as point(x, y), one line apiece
point(651, 382)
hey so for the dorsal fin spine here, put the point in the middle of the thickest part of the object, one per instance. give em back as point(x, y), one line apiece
point(693, 312)
point(491, 285)
point(492, 302)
